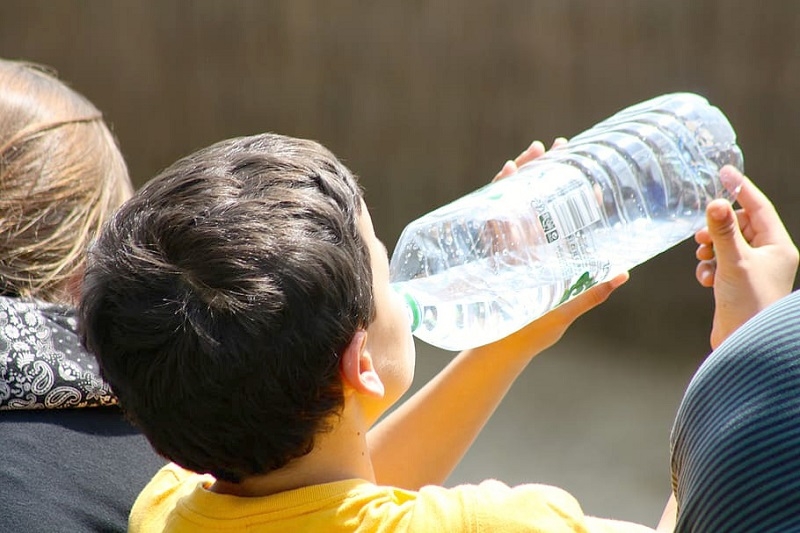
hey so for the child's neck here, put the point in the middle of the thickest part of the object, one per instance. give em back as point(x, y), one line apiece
point(338, 454)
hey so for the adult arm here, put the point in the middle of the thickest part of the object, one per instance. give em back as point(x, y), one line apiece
point(750, 261)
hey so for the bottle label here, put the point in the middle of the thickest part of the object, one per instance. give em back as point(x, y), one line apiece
point(548, 225)
point(566, 215)
point(571, 212)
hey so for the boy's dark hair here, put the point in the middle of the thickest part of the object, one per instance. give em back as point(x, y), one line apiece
point(220, 296)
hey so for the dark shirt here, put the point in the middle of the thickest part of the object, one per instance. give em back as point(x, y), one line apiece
point(70, 470)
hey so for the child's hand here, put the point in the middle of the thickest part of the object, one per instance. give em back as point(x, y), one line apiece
point(746, 255)
point(546, 330)
point(550, 327)
point(529, 154)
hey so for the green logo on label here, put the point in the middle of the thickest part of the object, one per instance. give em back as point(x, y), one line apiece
point(583, 283)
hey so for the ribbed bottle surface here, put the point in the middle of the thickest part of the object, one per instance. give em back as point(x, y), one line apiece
point(634, 185)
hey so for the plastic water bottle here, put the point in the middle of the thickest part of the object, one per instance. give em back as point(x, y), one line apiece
point(632, 186)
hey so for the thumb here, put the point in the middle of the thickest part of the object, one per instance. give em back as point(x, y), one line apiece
point(723, 228)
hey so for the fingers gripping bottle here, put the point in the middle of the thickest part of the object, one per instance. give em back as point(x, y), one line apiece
point(632, 186)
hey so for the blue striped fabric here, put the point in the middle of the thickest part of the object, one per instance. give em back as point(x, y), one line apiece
point(736, 439)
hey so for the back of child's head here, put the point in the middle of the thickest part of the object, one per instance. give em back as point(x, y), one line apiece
point(220, 296)
point(61, 176)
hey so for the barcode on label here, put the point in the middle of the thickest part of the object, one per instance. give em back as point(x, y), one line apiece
point(569, 214)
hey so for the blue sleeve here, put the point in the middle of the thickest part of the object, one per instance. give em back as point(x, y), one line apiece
point(735, 444)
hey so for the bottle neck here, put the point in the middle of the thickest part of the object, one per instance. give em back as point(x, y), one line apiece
point(412, 307)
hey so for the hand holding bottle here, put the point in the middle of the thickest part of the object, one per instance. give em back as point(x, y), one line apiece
point(746, 255)
point(546, 330)
point(533, 151)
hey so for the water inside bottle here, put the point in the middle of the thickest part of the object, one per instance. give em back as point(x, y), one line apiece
point(475, 304)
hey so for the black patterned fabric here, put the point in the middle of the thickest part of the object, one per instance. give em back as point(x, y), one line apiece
point(76, 470)
point(42, 365)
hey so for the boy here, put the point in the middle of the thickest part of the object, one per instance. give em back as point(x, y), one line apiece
point(240, 307)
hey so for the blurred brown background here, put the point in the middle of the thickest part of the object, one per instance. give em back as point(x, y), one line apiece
point(425, 100)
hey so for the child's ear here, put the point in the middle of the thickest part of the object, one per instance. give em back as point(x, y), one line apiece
point(357, 369)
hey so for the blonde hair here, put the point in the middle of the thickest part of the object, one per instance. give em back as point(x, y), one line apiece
point(61, 176)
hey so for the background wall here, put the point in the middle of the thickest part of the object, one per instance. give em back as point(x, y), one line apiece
point(425, 100)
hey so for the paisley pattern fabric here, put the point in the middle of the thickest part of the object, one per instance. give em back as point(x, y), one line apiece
point(42, 365)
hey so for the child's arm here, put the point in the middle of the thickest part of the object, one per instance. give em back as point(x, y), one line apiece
point(669, 516)
point(746, 255)
point(423, 440)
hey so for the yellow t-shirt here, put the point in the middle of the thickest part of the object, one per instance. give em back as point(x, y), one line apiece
point(180, 502)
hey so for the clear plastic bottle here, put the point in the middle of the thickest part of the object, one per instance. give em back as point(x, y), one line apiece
point(632, 186)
